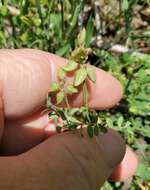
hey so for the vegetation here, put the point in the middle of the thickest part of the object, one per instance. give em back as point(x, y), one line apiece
point(54, 26)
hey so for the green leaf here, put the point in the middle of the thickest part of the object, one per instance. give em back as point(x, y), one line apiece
point(55, 118)
point(73, 120)
point(109, 123)
point(143, 171)
point(61, 74)
point(71, 66)
point(63, 50)
point(71, 89)
point(89, 31)
point(4, 10)
point(125, 5)
point(93, 116)
point(81, 38)
point(74, 111)
point(54, 87)
point(120, 121)
point(108, 186)
point(49, 103)
point(96, 130)
point(60, 97)
point(91, 74)
point(74, 20)
point(24, 36)
point(80, 76)
point(62, 114)
point(90, 131)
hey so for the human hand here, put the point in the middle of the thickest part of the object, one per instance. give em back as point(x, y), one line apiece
point(64, 161)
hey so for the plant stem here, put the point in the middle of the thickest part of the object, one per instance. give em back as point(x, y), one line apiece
point(86, 97)
point(62, 18)
point(81, 129)
point(67, 102)
point(85, 94)
point(40, 12)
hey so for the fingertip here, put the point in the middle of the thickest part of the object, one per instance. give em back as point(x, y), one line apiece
point(127, 168)
point(107, 91)
point(113, 147)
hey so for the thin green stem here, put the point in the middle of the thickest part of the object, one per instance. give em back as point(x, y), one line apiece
point(85, 94)
point(40, 12)
point(67, 101)
point(62, 18)
point(86, 98)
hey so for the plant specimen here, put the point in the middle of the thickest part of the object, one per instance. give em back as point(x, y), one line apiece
point(74, 118)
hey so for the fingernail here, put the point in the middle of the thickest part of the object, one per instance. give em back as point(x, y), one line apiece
point(50, 129)
point(113, 147)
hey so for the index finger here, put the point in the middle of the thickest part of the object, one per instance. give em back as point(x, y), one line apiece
point(32, 71)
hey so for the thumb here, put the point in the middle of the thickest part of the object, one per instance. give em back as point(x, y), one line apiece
point(1, 114)
point(69, 161)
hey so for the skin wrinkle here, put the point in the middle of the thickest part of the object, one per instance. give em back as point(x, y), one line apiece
point(9, 168)
point(58, 151)
point(25, 69)
point(105, 158)
point(52, 67)
point(30, 74)
point(28, 69)
point(90, 151)
point(122, 147)
point(19, 69)
point(93, 164)
point(78, 163)
point(58, 164)
point(100, 147)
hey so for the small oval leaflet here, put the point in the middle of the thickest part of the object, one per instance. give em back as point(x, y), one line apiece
point(71, 66)
point(80, 76)
point(71, 89)
point(74, 120)
point(91, 74)
point(60, 97)
point(96, 130)
point(61, 74)
point(54, 87)
point(90, 131)
point(62, 114)
point(49, 103)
